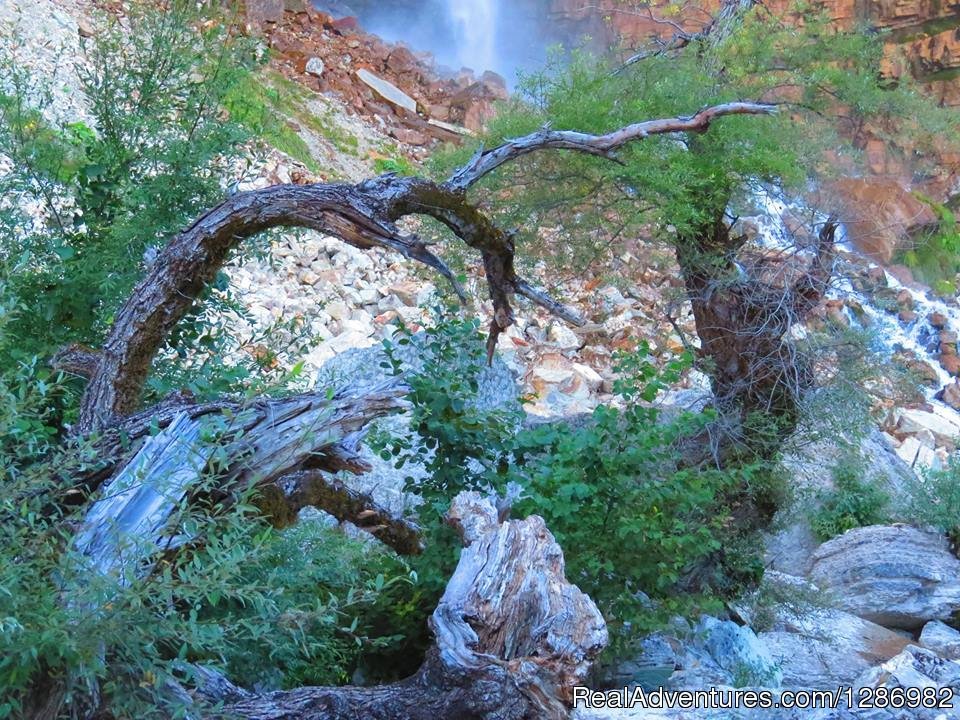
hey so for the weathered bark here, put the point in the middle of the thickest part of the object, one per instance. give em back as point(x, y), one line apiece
point(513, 638)
point(743, 317)
point(285, 448)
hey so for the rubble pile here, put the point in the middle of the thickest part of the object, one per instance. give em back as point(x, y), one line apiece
point(401, 90)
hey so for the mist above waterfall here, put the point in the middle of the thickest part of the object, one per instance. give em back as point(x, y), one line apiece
point(499, 35)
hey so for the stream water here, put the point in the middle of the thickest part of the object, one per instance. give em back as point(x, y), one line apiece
point(890, 333)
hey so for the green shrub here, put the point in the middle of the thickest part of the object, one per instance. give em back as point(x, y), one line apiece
point(853, 502)
point(160, 154)
point(274, 609)
point(933, 500)
point(643, 535)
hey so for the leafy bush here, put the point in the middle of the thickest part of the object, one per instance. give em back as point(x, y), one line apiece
point(933, 500)
point(158, 155)
point(935, 257)
point(275, 609)
point(853, 502)
point(643, 535)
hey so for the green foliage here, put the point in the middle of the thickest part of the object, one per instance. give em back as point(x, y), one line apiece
point(276, 609)
point(157, 155)
point(261, 105)
point(933, 500)
point(636, 524)
point(324, 587)
point(397, 165)
point(854, 501)
point(645, 536)
point(32, 400)
point(935, 256)
point(669, 185)
point(460, 440)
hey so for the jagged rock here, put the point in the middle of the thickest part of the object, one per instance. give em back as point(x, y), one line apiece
point(951, 395)
point(789, 549)
point(950, 363)
point(941, 639)
point(338, 310)
point(658, 659)
point(563, 337)
point(944, 429)
point(895, 576)
point(591, 377)
point(612, 297)
point(315, 67)
point(263, 11)
point(387, 90)
point(882, 214)
point(819, 647)
point(724, 653)
point(915, 667)
point(918, 455)
point(411, 293)
point(937, 320)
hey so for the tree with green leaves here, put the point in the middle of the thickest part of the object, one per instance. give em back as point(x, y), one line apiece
point(741, 105)
point(686, 189)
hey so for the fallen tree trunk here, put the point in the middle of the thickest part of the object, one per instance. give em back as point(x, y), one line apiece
point(284, 448)
point(513, 638)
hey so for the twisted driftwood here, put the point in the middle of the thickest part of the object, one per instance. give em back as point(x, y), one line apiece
point(513, 638)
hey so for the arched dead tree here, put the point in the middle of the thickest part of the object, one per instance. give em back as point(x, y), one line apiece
point(362, 215)
point(513, 636)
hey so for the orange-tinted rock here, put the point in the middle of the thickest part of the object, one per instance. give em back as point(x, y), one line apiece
point(951, 395)
point(937, 320)
point(951, 363)
point(879, 214)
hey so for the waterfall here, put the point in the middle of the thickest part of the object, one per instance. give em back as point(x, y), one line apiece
point(475, 32)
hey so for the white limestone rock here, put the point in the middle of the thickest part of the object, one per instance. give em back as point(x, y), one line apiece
point(895, 576)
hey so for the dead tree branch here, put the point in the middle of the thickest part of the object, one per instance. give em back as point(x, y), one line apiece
point(287, 449)
point(716, 30)
point(605, 146)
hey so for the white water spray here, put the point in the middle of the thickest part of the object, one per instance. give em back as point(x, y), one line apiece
point(475, 32)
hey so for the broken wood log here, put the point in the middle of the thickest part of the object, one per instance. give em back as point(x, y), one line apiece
point(283, 447)
point(513, 638)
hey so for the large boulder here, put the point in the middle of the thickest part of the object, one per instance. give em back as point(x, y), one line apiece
point(944, 428)
point(942, 639)
point(915, 667)
point(895, 576)
point(825, 648)
point(720, 652)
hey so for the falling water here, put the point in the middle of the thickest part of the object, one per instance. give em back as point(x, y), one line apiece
point(475, 32)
